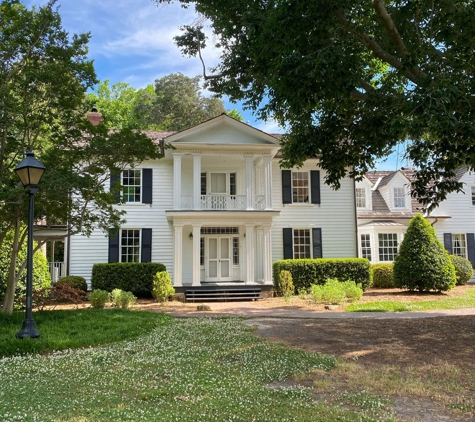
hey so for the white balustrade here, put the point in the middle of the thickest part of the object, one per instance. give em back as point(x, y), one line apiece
point(224, 202)
point(57, 270)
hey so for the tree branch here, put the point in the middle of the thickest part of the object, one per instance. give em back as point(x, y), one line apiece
point(206, 77)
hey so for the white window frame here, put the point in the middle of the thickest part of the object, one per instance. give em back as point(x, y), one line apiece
point(136, 249)
point(365, 246)
point(459, 244)
point(132, 186)
point(385, 257)
point(207, 176)
point(397, 196)
point(302, 250)
point(360, 197)
point(298, 188)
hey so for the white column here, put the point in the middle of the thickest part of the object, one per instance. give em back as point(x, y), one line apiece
point(249, 183)
point(196, 182)
point(250, 251)
point(196, 255)
point(178, 257)
point(268, 182)
point(259, 254)
point(267, 254)
point(177, 181)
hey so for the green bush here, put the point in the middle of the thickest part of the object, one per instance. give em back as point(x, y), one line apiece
point(335, 292)
point(306, 272)
point(41, 274)
point(422, 262)
point(331, 292)
point(135, 277)
point(283, 285)
point(74, 281)
point(121, 299)
point(98, 298)
point(383, 275)
point(162, 286)
point(352, 290)
point(463, 269)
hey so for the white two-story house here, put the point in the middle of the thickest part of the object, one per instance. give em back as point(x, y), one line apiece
point(218, 209)
point(385, 207)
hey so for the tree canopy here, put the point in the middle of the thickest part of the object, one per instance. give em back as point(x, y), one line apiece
point(44, 74)
point(352, 79)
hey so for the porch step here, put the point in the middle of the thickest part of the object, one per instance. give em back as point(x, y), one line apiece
point(223, 294)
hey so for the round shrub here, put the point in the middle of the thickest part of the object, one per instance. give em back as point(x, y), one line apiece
point(74, 281)
point(463, 269)
point(383, 275)
point(162, 286)
point(284, 285)
point(121, 299)
point(98, 298)
point(423, 263)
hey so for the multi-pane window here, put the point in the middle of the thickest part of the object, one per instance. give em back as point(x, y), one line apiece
point(300, 187)
point(399, 198)
point(360, 197)
point(473, 196)
point(235, 250)
point(459, 245)
point(220, 183)
point(130, 246)
point(131, 182)
point(366, 246)
point(302, 244)
point(387, 246)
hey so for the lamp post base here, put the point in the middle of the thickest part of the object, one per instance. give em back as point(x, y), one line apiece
point(28, 330)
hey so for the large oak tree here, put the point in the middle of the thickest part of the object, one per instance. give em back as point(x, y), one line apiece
point(352, 79)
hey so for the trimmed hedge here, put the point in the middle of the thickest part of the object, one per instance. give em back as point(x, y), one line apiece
point(306, 272)
point(135, 277)
point(383, 275)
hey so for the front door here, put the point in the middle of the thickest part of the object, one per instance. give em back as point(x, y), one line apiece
point(218, 256)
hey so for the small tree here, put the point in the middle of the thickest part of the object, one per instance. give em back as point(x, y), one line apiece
point(422, 263)
point(162, 286)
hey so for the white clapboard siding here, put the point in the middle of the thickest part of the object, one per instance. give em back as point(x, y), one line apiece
point(459, 207)
point(85, 252)
point(335, 215)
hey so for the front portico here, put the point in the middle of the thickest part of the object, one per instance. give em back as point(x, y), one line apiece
point(224, 248)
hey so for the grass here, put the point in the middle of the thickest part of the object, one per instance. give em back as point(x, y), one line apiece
point(61, 330)
point(425, 305)
point(181, 370)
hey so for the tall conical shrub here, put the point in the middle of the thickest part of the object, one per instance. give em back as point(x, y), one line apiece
point(422, 263)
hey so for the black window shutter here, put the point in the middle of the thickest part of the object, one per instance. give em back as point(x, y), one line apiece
point(471, 248)
point(146, 245)
point(147, 186)
point(113, 245)
point(315, 186)
point(317, 242)
point(286, 187)
point(288, 244)
point(448, 242)
point(115, 180)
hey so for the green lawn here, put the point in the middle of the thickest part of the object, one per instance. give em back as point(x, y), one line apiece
point(425, 305)
point(181, 370)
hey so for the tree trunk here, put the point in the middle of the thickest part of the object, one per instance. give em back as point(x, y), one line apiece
point(12, 280)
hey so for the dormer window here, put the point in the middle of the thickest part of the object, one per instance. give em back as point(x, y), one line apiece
point(360, 198)
point(399, 198)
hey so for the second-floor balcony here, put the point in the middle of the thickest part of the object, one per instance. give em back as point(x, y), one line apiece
point(223, 202)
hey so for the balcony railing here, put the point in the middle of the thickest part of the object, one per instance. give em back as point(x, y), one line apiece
point(223, 202)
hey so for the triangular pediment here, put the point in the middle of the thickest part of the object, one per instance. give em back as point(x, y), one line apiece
point(224, 131)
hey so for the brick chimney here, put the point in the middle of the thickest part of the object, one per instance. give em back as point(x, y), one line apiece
point(94, 117)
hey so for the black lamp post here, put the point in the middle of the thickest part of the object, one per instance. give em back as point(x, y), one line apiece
point(30, 171)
